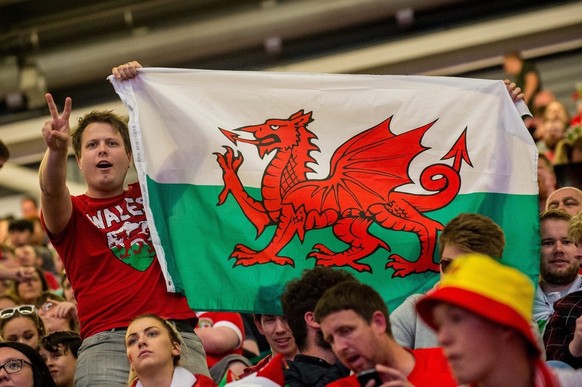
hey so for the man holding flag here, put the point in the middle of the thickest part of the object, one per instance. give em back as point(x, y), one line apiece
point(405, 155)
point(359, 172)
point(104, 241)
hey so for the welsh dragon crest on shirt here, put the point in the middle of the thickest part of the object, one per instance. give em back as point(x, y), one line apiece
point(128, 234)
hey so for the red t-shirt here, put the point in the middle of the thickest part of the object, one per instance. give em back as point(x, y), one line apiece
point(430, 369)
point(111, 263)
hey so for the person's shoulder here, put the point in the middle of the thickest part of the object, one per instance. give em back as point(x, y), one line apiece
point(302, 364)
point(312, 371)
point(570, 300)
point(410, 301)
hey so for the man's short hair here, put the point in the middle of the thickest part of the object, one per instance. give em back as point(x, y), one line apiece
point(301, 295)
point(473, 233)
point(555, 214)
point(105, 116)
point(21, 225)
point(70, 340)
point(355, 296)
point(575, 228)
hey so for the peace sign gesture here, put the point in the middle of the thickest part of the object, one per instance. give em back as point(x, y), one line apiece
point(56, 132)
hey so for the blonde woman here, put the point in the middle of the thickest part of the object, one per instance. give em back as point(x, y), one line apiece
point(153, 348)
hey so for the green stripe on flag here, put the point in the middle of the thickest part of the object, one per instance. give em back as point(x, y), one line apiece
point(192, 229)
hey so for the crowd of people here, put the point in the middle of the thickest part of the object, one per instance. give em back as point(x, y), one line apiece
point(72, 313)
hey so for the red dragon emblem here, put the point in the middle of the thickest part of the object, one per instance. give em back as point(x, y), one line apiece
point(359, 191)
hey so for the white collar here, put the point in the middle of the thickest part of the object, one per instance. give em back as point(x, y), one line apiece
point(181, 378)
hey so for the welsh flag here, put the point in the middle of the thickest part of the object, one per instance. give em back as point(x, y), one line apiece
point(251, 177)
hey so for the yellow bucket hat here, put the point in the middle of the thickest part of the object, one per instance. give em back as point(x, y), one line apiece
point(484, 286)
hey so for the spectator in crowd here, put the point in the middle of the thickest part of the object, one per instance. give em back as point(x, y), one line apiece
point(56, 313)
point(279, 336)
point(355, 322)
point(23, 366)
point(10, 271)
point(553, 132)
point(153, 348)
point(556, 110)
point(483, 324)
point(255, 345)
point(59, 350)
point(546, 180)
point(29, 207)
point(558, 265)
point(551, 110)
point(27, 256)
point(7, 258)
point(465, 233)
point(540, 102)
point(525, 73)
point(21, 324)
point(29, 210)
point(4, 154)
point(563, 335)
point(315, 365)
point(29, 290)
point(109, 290)
point(569, 151)
point(222, 335)
point(568, 199)
point(20, 232)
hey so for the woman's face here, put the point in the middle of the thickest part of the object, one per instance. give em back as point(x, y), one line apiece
point(149, 346)
point(21, 329)
point(30, 290)
point(22, 378)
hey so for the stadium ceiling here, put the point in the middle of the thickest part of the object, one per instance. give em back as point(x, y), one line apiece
point(68, 48)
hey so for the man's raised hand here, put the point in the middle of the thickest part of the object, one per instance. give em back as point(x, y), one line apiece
point(56, 131)
point(126, 71)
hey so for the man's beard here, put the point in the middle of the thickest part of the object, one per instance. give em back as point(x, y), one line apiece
point(559, 277)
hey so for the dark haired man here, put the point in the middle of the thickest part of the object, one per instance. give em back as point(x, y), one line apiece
point(559, 265)
point(354, 321)
point(316, 364)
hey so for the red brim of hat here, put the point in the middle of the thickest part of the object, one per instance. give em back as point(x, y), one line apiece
point(480, 305)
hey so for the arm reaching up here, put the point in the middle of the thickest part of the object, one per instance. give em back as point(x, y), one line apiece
point(55, 197)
